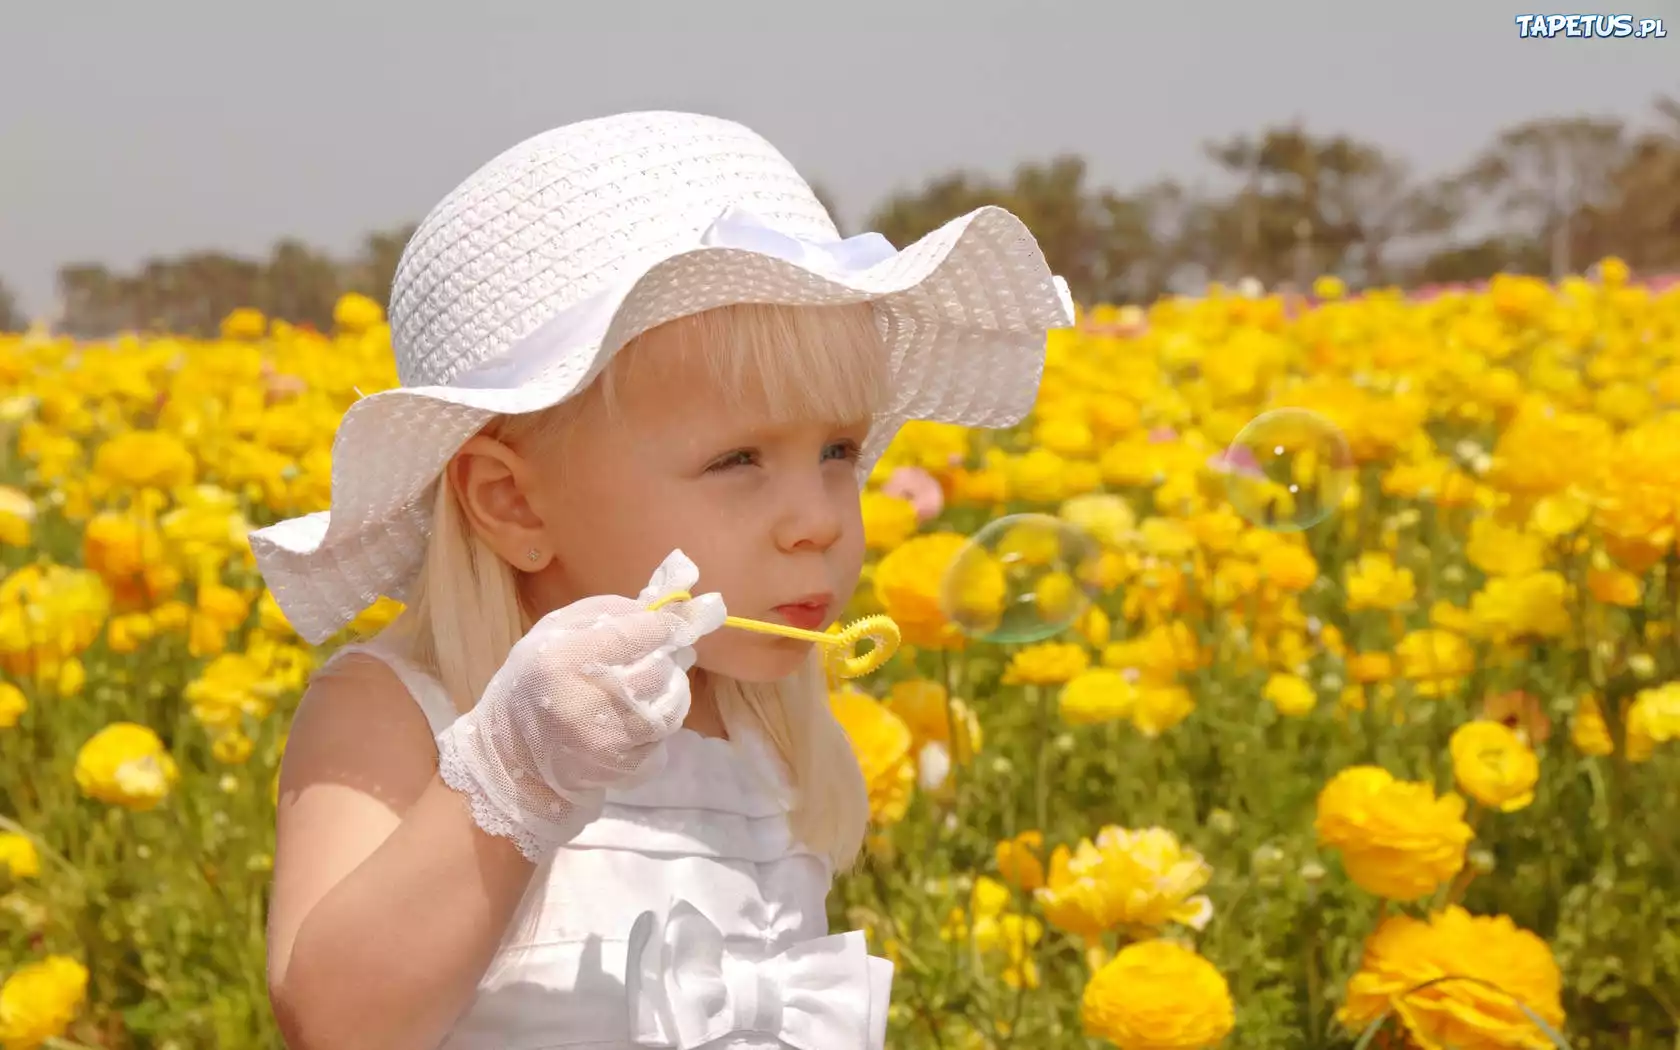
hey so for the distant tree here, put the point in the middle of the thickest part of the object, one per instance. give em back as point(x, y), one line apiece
point(1308, 204)
point(1546, 175)
point(11, 318)
point(372, 272)
point(1103, 244)
point(1639, 219)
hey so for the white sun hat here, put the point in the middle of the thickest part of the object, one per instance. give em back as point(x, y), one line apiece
point(518, 288)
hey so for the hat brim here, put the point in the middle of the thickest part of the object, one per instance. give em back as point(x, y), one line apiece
point(965, 312)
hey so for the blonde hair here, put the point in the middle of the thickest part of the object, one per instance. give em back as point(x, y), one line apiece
point(466, 609)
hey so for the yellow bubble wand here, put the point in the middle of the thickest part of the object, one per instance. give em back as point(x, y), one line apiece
point(843, 658)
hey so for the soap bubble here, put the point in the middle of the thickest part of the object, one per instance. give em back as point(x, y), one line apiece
point(1287, 470)
point(1022, 578)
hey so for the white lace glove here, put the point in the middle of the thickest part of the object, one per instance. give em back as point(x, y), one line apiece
point(584, 702)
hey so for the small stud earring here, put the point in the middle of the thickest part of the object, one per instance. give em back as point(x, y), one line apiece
point(533, 555)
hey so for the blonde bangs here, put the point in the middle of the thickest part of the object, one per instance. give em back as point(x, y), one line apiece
point(794, 363)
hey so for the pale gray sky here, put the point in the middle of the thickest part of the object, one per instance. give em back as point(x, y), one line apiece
point(132, 129)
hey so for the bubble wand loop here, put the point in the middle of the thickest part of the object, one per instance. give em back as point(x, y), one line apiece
point(843, 657)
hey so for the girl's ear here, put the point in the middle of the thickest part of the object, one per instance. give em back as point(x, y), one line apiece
point(493, 489)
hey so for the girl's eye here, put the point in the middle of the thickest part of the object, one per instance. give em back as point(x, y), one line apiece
point(739, 458)
point(846, 450)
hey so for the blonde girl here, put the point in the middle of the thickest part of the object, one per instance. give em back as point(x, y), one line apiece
point(544, 808)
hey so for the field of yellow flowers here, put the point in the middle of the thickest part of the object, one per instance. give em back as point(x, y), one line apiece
point(1407, 778)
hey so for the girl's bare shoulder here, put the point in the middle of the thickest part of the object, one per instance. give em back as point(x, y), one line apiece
point(358, 727)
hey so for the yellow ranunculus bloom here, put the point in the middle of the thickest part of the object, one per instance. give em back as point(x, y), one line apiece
point(1046, 663)
point(1123, 879)
point(1375, 583)
point(39, 1001)
point(1018, 860)
point(12, 705)
point(1097, 695)
point(909, 584)
point(887, 520)
point(1397, 840)
point(1494, 766)
point(125, 764)
point(1158, 995)
point(18, 855)
point(881, 741)
point(1501, 966)
point(1291, 694)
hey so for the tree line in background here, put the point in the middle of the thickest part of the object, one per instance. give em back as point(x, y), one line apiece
point(1545, 197)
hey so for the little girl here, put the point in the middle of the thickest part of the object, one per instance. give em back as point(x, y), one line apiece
point(636, 359)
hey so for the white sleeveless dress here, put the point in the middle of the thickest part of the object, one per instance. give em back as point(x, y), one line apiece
point(685, 916)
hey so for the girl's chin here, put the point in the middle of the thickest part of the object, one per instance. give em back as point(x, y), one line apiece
point(759, 660)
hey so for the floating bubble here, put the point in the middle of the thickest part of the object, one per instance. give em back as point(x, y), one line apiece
point(1022, 578)
point(1287, 470)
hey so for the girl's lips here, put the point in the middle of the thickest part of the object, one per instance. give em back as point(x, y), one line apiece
point(807, 616)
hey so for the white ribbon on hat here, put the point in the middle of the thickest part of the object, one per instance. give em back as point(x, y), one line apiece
point(685, 991)
point(582, 326)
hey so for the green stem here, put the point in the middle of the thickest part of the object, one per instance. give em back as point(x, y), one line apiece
point(1041, 778)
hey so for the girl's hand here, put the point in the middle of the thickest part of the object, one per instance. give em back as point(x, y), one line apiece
point(583, 703)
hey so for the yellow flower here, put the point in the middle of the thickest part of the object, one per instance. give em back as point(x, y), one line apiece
point(1653, 719)
point(1136, 880)
point(1094, 626)
point(1587, 730)
point(1370, 667)
point(1157, 995)
point(1436, 661)
point(1097, 695)
point(887, 520)
point(355, 313)
point(1614, 587)
point(231, 748)
point(1159, 655)
point(1328, 287)
point(882, 743)
point(1290, 694)
point(1493, 766)
point(1396, 838)
point(1288, 568)
point(1560, 514)
point(39, 1000)
point(1374, 583)
point(375, 619)
point(1534, 605)
point(142, 459)
point(17, 854)
point(1039, 476)
point(909, 582)
point(17, 517)
point(12, 705)
point(1047, 663)
point(1018, 860)
point(231, 688)
point(1161, 707)
point(924, 707)
point(999, 931)
point(1405, 960)
point(271, 618)
point(1104, 517)
point(125, 765)
point(244, 324)
point(1500, 551)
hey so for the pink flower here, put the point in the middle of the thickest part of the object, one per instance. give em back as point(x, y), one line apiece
point(920, 488)
point(1238, 459)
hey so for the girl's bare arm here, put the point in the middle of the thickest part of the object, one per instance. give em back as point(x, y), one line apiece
point(388, 900)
